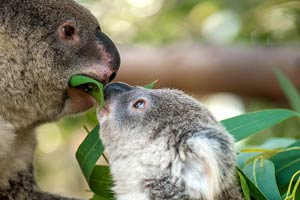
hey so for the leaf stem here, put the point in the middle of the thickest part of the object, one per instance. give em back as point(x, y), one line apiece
point(86, 129)
point(105, 158)
point(292, 196)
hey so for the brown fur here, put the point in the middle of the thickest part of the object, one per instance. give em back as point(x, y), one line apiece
point(35, 66)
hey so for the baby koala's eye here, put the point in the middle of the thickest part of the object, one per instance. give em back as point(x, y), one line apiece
point(140, 104)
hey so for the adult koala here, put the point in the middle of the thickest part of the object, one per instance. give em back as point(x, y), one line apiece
point(42, 44)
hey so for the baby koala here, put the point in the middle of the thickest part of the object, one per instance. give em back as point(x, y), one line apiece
point(164, 145)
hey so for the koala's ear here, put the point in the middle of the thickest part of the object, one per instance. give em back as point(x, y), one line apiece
point(197, 163)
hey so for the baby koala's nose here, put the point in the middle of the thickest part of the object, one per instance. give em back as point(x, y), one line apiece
point(113, 89)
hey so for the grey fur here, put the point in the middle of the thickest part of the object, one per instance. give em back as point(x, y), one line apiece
point(35, 67)
point(173, 149)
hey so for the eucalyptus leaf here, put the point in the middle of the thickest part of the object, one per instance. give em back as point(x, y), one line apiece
point(254, 191)
point(244, 186)
point(289, 90)
point(89, 152)
point(262, 174)
point(287, 163)
point(96, 197)
point(101, 182)
point(248, 124)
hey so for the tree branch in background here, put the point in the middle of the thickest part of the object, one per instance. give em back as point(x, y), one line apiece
point(240, 70)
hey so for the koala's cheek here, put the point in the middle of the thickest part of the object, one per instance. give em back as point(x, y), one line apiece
point(107, 133)
point(102, 118)
point(104, 114)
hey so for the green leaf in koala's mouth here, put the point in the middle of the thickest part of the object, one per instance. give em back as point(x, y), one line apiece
point(89, 85)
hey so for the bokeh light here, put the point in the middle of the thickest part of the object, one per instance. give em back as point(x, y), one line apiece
point(221, 27)
point(49, 138)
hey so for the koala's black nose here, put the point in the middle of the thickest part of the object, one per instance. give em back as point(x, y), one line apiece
point(113, 89)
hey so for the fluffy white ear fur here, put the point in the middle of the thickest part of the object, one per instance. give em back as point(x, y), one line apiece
point(197, 167)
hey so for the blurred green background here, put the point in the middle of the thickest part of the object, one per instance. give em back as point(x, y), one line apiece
point(158, 22)
point(163, 22)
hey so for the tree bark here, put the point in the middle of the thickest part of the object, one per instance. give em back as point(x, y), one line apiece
point(240, 70)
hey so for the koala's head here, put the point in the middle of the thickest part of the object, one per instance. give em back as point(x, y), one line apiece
point(169, 130)
point(135, 112)
point(43, 44)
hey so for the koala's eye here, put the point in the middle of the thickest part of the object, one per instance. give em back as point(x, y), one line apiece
point(68, 33)
point(140, 104)
point(68, 30)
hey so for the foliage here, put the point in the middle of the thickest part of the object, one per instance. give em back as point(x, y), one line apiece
point(273, 169)
point(215, 21)
point(266, 172)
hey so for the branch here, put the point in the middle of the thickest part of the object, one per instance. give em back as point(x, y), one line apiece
point(244, 71)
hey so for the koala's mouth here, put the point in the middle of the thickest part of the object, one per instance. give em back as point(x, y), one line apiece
point(83, 93)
